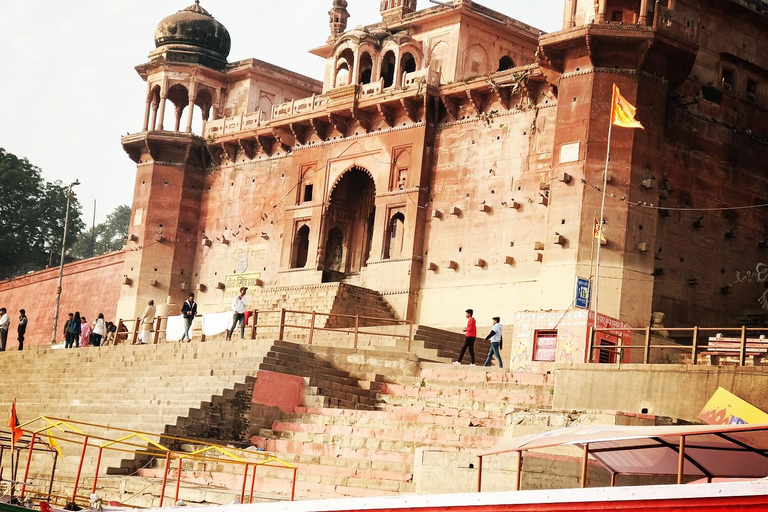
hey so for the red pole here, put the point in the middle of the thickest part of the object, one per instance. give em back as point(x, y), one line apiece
point(165, 477)
point(80, 468)
point(178, 484)
point(245, 482)
point(29, 461)
point(253, 482)
point(293, 484)
point(98, 463)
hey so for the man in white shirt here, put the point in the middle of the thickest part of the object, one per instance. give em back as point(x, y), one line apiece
point(239, 305)
point(495, 337)
point(5, 323)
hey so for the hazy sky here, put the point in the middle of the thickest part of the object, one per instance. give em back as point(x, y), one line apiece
point(70, 91)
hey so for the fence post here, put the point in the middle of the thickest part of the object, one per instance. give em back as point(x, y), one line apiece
point(591, 348)
point(29, 462)
point(135, 331)
point(282, 324)
point(410, 334)
point(647, 355)
point(743, 348)
point(80, 468)
point(117, 331)
point(165, 477)
point(255, 321)
point(312, 328)
point(357, 327)
point(157, 329)
point(695, 345)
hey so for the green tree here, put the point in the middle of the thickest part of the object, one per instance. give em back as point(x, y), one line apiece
point(105, 237)
point(31, 216)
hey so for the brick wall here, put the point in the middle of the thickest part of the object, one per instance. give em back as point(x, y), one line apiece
point(90, 286)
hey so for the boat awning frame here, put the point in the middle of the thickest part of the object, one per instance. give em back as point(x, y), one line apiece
point(709, 451)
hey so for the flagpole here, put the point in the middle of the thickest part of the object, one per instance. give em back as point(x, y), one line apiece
point(602, 207)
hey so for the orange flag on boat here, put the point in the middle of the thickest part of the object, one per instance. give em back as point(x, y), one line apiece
point(13, 424)
point(623, 112)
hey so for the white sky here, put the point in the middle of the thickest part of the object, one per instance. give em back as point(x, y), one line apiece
point(69, 89)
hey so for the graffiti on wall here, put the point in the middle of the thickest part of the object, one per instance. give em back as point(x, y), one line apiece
point(759, 275)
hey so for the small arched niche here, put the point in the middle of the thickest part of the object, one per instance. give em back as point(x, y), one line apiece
point(300, 247)
point(506, 63)
point(388, 69)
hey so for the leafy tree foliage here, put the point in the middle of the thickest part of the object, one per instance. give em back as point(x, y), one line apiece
point(105, 237)
point(32, 214)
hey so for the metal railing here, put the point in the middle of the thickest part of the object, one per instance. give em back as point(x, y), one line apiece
point(739, 346)
point(73, 432)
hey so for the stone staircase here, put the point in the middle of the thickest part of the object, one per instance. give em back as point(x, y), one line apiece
point(363, 414)
point(333, 298)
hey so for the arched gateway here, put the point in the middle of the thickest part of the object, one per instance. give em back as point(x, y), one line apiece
point(349, 225)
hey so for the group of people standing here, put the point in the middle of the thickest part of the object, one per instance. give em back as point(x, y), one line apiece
point(78, 333)
point(5, 325)
point(495, 337)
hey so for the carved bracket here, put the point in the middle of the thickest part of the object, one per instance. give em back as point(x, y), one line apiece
point(387, 114)
point(339, 123)
point(299, 132)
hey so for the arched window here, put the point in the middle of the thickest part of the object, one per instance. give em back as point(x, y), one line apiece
point(300, 247)
point(366, 68)
point(343, 72)
point(407, 63)
point(388, 69)
point(393, 245)
point(506, 63)
point(179, 96)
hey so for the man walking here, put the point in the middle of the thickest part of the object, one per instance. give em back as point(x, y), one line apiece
point(495, 337)
point(470, 334)
point(21, 330)
point(239, 305)
point(5, 323)
point(188, 311)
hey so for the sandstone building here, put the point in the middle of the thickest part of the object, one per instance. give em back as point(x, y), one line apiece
point(453, 157)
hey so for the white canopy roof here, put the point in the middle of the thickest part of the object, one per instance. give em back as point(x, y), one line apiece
point(727, 451)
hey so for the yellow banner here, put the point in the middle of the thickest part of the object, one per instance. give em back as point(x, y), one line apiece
point(725, 408)
point(233, 282)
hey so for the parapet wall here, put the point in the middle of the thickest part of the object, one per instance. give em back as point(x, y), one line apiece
point(676, 391)
point(89, 286)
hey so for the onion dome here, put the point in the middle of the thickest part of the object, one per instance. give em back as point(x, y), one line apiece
point(194, 33)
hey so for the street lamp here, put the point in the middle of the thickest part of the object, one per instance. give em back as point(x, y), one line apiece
point(61, 266)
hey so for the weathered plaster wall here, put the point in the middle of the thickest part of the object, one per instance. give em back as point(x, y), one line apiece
point(503, 166)
point(90, 286)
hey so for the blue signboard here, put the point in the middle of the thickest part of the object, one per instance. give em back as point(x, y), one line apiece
point(583, 293)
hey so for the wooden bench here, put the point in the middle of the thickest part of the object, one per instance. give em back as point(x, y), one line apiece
point(718, 346)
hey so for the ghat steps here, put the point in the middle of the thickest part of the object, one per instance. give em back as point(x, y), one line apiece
point(364, 413)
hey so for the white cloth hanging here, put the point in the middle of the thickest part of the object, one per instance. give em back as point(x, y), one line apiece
point(174, 329)
point(216, 323)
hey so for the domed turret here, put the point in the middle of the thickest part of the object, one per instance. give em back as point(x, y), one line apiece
point(192, 35)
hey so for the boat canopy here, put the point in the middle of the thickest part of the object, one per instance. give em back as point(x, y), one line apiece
point(711, 451)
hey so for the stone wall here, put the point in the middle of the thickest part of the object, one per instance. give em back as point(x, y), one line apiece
point(677, 391)
point(89, 286)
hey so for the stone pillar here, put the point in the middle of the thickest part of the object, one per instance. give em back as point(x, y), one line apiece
point(671, 5)
point(177, 114)
point(191, 106)
point(161, 113)
point(145, 125)
point(643, 19)
point(354, 74)
point(574, 3)
point(601, 11)
point(153, 120)
point(398, 73)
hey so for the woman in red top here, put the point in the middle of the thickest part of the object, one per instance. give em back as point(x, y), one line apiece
point(470, 334)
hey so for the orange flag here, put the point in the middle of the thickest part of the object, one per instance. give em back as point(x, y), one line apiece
point(13, 424)
point(623, 112)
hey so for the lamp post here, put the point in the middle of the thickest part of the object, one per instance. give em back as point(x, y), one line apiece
point(61, 266)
